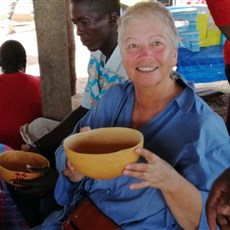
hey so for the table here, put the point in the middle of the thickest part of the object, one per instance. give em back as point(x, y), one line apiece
point(204, 66)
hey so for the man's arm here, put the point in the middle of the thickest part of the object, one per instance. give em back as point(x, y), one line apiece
point(225, 30)
point(48, 144)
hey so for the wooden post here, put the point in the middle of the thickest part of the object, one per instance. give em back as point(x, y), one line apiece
point(72, 48)
point(54, 58)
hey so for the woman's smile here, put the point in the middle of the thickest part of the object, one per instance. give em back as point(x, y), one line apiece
point(146, 68)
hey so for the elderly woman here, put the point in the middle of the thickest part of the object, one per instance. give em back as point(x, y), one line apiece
point(186, 144)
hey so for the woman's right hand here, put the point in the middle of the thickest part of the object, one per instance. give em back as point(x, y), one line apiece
point(72, 174)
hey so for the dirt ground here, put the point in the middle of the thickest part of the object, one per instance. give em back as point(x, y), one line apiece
point(217, 96)
point(219, 103)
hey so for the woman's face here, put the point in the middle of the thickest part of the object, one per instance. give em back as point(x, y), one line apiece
point(148, 55)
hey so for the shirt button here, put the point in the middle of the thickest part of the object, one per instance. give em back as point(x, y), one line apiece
point(108, 191)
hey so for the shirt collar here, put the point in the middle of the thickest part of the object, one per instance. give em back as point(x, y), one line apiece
point(186, 99)
point(114, 61)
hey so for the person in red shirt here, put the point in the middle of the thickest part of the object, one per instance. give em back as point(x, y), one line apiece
point(20, 94)
point(220, 11)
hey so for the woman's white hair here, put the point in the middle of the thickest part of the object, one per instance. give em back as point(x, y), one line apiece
point(142, 9)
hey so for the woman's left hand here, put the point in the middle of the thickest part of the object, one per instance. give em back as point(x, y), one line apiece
point(155, 172)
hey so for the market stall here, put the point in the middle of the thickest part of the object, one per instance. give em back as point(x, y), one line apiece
point(200, 56)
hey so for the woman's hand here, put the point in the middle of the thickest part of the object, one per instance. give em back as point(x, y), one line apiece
point(72, 174)
point(182, 198)
point(155, 172)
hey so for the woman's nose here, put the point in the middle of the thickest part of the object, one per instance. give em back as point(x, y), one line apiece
point(147, 52)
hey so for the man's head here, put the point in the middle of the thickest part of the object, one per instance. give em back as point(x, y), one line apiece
point(12, 57)
point(96, 22)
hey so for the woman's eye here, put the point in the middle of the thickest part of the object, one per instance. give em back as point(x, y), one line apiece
point(157, 43)
point(132, 46)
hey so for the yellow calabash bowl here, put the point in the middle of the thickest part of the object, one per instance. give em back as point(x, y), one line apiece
point(13, 165)
point(102, 153)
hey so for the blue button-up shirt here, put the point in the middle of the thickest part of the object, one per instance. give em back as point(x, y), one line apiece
point(187, 134)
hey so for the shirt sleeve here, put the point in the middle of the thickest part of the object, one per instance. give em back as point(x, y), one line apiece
point(60, 159)
point(64, 190)
point(209, 155)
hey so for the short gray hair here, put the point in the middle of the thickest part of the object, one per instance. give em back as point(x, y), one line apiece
point(148, 8)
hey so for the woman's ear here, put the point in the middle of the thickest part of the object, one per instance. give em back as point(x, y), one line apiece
point(175, 57)
point(113, 17)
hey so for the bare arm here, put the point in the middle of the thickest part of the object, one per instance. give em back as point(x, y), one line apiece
point(56, 136)
point(48, 144)
point(225, 30)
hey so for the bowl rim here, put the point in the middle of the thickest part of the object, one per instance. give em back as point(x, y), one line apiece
point(103, 128)
point(23, 152)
